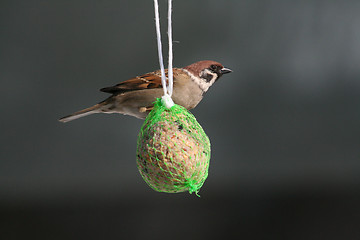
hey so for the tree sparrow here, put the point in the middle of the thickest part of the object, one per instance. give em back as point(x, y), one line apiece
point(136, 96)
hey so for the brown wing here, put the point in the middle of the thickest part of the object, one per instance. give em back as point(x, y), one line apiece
point(146, 81)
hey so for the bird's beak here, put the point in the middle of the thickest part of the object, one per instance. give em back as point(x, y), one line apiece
point(225, 70)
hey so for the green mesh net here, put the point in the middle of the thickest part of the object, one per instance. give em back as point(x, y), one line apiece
point(173, 151)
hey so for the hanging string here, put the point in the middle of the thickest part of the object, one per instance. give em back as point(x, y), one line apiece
point(170, 66)
point(166, 99)
point(158, 37)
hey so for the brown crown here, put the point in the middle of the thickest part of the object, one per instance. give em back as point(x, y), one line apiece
point(197, 67)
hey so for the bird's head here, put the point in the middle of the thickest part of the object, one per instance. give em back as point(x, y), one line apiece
point(206, 73)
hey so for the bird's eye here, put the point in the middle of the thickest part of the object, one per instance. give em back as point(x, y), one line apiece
point(213, 67)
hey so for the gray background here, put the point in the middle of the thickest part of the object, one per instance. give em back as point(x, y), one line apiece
point(284, 126)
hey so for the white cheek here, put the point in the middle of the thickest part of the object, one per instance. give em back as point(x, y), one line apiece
point(204, 85)
point(208, 72)
point(213, 78)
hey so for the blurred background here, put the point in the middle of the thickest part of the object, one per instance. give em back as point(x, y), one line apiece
point(284, 126)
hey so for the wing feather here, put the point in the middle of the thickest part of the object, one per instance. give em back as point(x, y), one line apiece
point(146, 81)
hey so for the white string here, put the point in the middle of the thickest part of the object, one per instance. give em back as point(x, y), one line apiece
point(158, 37)
point(166, 99)
point(170, 63)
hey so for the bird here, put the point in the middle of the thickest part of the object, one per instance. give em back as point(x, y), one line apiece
point(136, 96)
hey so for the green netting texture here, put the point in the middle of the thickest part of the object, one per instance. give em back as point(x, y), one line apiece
point(173, 151)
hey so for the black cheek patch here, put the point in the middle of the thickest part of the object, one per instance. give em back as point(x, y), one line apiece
point(207, 77)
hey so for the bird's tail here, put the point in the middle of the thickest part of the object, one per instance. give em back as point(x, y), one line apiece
point(82, 113)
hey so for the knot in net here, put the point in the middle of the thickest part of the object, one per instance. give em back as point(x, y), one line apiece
point(173, 151)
